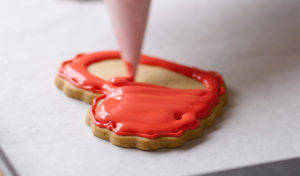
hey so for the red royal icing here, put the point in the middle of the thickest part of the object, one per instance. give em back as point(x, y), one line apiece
point(140, 109)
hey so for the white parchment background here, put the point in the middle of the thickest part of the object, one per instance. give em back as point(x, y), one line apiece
point(255, 44)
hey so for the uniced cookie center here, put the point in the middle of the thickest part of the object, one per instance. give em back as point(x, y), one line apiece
point(108, 69)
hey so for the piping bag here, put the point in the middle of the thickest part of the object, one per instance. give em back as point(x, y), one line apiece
point(129, 19)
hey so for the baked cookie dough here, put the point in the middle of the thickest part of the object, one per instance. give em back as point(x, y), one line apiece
point(166, 105)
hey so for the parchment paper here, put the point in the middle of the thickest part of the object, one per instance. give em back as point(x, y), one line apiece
point(254, 44)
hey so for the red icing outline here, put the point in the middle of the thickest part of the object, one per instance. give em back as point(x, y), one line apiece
point(140, 109)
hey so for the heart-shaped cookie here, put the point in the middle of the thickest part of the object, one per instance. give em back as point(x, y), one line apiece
point(166, 105)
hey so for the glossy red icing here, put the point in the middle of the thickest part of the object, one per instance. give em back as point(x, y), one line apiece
point(140, 109)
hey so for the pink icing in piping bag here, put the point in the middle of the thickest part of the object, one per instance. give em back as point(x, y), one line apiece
point(129, 19)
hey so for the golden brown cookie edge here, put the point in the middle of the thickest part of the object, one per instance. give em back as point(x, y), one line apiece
point(74, 92)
